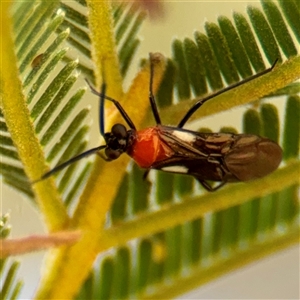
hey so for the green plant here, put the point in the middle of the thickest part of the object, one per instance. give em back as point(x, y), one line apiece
point(34, 121)
point(10, 288)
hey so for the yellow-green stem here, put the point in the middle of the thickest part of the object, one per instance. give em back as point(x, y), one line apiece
point(196, 207)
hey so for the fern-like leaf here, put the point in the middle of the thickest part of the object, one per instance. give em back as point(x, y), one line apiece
point(10, 286)
point(212, 239)
point(165, 240)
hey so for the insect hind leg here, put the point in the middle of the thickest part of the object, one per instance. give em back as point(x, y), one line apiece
point(199, 103)
point(208, 187)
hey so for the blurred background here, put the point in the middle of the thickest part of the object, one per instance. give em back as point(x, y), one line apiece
point(277, 276)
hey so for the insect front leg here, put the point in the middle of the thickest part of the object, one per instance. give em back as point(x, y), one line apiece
point(146, 173)
point(103, 156)
point(151, 94)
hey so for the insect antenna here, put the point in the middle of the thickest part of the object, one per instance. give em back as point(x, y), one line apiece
point(116, 103)
point(88, 152)
point(101, 111)
point(69, 162)
point(198, 104)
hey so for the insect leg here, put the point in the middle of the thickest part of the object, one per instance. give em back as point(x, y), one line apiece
point(198, 104)
point(151, 95)
point(146, 173)
point(208, 187)
point(116, 103)
point(103, 156)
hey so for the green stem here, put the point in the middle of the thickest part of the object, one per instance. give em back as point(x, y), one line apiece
point(196, 207)
point(202, 275)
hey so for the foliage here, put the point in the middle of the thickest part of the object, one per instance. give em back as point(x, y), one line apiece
point(10, 286)
point(165, 240)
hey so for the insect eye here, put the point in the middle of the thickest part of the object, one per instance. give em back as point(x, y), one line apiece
point(112, 154)
point(119, 131)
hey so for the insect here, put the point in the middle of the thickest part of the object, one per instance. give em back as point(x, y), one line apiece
point(37, 61)
point(219, 157)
